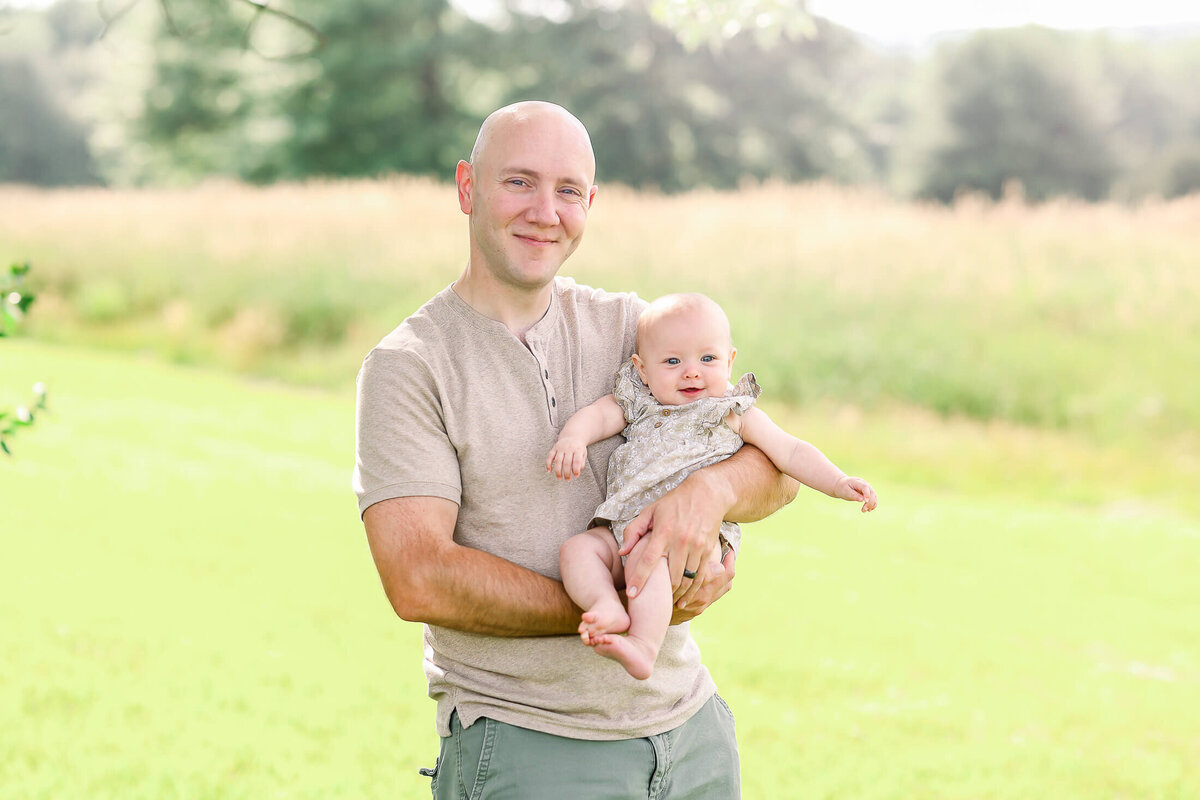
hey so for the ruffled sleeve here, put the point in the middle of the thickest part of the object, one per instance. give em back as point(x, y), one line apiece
point(745, 393)
point(631, 394)
point(737, 399)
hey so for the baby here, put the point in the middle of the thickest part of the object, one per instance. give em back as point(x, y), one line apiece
point(678, 413)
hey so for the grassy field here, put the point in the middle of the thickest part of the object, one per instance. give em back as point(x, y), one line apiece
point(188, 608)
point(190, 611)
point(1064, 316)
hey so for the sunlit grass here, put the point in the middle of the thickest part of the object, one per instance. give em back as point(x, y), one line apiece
point(190, 611)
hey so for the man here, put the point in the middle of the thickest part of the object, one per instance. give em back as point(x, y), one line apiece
point(456, 410)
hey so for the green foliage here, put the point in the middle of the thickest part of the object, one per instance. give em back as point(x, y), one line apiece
point(402, 88)
point(379, 97)
point(712, 22)
point(15, 301)
point(1183, 171)
point(39, 141)
point(669, 118)
point(678, 94)
point(1011, 112)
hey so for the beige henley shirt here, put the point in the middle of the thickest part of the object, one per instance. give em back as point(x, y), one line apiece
point(451, 404)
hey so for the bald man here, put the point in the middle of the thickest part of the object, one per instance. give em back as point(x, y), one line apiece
point(456, 410)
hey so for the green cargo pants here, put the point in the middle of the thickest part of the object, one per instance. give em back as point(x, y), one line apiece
point(496, 761)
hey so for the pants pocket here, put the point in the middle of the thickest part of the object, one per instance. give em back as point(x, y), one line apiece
point(432, 774)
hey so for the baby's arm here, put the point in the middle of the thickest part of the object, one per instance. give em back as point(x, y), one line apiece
point(801, 460)
point(590, 424)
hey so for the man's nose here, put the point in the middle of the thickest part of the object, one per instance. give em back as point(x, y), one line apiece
point(542, 210)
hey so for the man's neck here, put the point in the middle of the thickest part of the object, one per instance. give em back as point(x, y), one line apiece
point(518, 309)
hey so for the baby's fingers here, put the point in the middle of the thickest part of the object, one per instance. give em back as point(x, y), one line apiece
point(554, 463)
point(870, 500)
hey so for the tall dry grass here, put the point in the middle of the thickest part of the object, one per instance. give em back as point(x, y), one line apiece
point(1064, 315)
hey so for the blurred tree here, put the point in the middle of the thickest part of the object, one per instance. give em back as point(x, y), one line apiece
point(663, 116)
point(377, 96)
point(381, 96)
point(1182, 170)
point(711, 22)
point(39, 142)
point(208, 98)
point(1016, 105)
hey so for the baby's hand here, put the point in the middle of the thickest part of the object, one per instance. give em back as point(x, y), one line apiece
point(566, 458)
point(857, 490)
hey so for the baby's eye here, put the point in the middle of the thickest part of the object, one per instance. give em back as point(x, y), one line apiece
point(707, 359)
point(673, 361)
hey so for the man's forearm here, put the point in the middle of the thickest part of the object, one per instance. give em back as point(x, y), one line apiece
point(470, 590)
point(749, 484)
point(429, 578)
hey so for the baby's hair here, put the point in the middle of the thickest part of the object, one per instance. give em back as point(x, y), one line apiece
point(671, 304)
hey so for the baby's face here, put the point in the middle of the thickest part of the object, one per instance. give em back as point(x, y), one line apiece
point(685, 356)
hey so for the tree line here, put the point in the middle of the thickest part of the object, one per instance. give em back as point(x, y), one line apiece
point(375, 87)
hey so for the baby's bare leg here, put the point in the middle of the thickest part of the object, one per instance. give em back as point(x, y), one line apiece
point(590, 566)
point(650, 615)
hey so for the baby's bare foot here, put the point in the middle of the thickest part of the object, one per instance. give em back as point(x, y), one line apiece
point(634, 654)
point(606, 616)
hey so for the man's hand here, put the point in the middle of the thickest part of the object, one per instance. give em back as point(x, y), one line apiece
point(567, 457)
point(682, 525)
point(715, 578)
point(858, 491)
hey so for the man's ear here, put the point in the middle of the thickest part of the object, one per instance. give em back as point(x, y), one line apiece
point(464, 178)
point(592, 195)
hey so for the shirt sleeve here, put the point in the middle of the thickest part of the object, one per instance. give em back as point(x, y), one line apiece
point(401, 445)
point(630, 393)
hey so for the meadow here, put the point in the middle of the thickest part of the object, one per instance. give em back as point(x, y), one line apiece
point(188, 608)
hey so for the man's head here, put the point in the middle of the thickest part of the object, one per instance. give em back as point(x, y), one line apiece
point(684, 349)
point(527, 189)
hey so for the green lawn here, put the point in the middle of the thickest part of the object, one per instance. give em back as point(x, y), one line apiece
point(188, 610)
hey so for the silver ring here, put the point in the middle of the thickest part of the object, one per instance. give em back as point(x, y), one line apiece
point(689, 574)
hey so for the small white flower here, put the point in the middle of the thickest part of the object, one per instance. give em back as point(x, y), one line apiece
point(23, 414)
point(13, 298)
point(39, 389)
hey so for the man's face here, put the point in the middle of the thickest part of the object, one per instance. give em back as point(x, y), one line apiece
point(528, 194)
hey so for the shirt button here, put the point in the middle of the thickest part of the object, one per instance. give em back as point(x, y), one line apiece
point(552, 403)
point(547, 374)
point(658, 424)
point(666, 413)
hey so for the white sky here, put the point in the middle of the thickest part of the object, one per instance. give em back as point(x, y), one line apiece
point(909, 20)
point(912, 21)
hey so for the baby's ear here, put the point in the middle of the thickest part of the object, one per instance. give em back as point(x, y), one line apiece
point(732, 355)
point(640, 367)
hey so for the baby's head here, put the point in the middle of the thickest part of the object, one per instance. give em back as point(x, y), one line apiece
point(684, 349)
